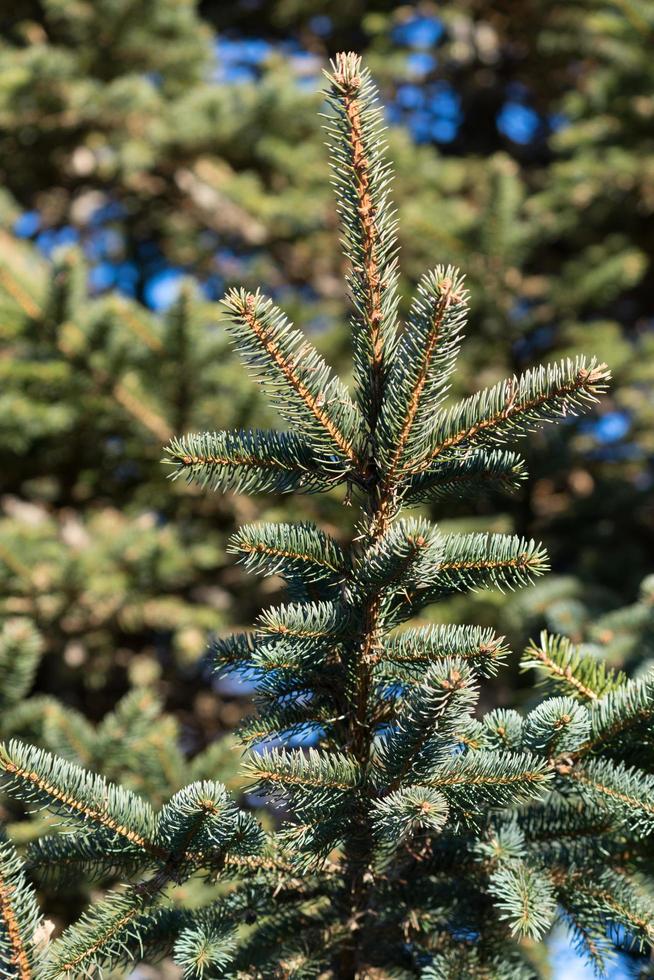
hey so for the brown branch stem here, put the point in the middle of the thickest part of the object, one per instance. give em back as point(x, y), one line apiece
point(19, 955)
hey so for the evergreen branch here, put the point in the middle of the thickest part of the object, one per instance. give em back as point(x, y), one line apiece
point(203, 952)
point(232, 653)
point(572, 672)
point(608, 898)
point(407, 554)
point(404, 811)
point(307, 625)
point(613, 897)
point(471, 474)
point(280, 687)
point(294, 551)
point(559, 821)
point(495, 779)
point(477, 646)
point(561, 832)
point(35, 776)
point(279, 945)
point(502, 843)
point(194, 828)
point(470, 561)
point(301, 657)
point(501, 560)
point(503, 729)
point(20, 918)
point(113, 932)
point(306, 393)
point(201, 827)
point(260, 863)
point(320, 827)
point(64, 858)
point(587, 934)
point(198, 817)
point(325, 772)
point(287, 720)
point(420, 373)
point(248, 461)
point(359, 679)
point(516, 406)
point(460, 960)
point(471, 736)
point(555, 726)
point(426, 724)
point(248, 841)
point(525, 898)
point(623, 712)
point(626, 793)
point(361, 178)
point(263, 898)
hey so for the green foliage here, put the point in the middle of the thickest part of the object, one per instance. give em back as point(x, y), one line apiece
point(425, 359)
point(123, 926)
point(429, 716)
point(46, 780)
point(247, 460)
point(93, 583)
point(300, 384)
point(558, 725)
point(605, 632)
point(137, 743)
point(361, 176)
point(297, 552)
point(401, 813)
point(111, 831)
point(19, 917)
point(565, 667)
point(476, 473)
point(552, 259)
point(414, 649)
point(20, 652)
point(514, 407)
point(525, 898)
point(99, 589)
point(201, 952)
point(415, 839)
point(87, 549)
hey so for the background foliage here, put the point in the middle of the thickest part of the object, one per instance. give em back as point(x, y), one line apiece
point(153, 154)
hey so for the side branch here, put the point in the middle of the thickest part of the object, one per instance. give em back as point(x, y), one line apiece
point(420, 381)
point(304, 389)
point(68, 803)
point(514, 406)
point(287, 368)
point(19, 918)
point(19, 957)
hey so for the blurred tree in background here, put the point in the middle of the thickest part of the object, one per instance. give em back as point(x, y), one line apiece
point(155, 152)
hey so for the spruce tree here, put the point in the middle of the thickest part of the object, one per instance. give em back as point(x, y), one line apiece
point(93, 545)
point(417, 838)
